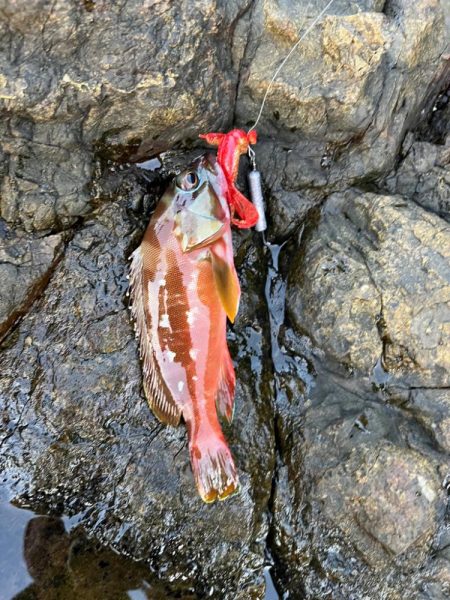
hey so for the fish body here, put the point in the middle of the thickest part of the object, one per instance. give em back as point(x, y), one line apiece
point(183, 287)
point(230, 147)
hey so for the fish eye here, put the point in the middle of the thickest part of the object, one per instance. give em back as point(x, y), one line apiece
point(188, 182)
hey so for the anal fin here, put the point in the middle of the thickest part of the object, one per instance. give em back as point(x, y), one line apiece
point(160, 400)
point(226, 388)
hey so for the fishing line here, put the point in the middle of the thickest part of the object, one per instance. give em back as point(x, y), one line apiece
point(287, 57)
point(254, 176)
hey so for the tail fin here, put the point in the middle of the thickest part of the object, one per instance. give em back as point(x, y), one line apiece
point(213, 467)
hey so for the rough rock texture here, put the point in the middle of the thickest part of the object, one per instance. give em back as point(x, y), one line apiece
point(424, 176)
point(341, 433)
point(26, 264)
point(370, 288)
point(338, 112)
point(368, 507)
point(377, 287)
point(78, 74)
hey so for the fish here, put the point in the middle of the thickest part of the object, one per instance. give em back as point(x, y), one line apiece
point(183, 287)
point(230, 146)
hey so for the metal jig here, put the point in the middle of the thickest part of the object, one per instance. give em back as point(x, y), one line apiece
point(254, 182)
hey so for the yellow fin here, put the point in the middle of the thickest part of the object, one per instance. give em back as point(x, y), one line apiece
point(227, 284)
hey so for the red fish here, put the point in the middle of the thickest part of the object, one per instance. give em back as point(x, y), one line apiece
point(230, 147)
point(183, 287)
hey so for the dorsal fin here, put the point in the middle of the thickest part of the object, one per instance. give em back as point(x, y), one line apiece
point(158, 395)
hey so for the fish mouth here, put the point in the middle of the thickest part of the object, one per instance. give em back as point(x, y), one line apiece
point(207, 161)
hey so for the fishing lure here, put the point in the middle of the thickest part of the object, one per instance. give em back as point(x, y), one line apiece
point(230, 147)
point(183, 287)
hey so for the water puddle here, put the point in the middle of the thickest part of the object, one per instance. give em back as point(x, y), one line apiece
point(153, 164)
point(271, 592)
point(13, 568)
point(49, 557)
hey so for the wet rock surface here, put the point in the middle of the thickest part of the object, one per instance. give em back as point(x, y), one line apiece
point(368, 509)
point(341, 430)
point(26, 264)
point(72, 400)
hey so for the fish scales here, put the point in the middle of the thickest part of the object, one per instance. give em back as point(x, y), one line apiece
point(183, 285)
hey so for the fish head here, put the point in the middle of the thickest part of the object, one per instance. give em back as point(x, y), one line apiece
point(201, 213)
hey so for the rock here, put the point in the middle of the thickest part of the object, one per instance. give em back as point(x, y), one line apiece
point(78, 434)
point(363, 448)
point(373, 285)
point(115, 80)
point(299, 102)
point(424, 176)
point(340, 120)
point(392, 496)
point(368, 505)
point(26, 264)
point(431, 408)
point(47, 173)
point(134, 79)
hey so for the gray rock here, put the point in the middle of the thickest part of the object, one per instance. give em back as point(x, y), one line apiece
point(149, 77)
point(368, 505)
point(373, 285)
point(338, 112)
point(369, 435)
point(431, 408)
point(47, 172)
point(391, 495)
point(26, 264)
point(424, 176)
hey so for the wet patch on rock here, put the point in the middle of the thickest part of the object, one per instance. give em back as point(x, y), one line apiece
point(26, 264)
point(77, 434)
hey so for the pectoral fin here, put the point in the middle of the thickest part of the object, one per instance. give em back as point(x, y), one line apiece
point(227, 284)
